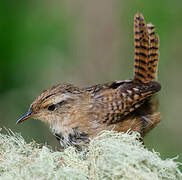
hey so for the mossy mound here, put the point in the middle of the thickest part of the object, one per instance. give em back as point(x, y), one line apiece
point(111, 156)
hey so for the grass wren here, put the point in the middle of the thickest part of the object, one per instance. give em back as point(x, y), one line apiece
point(77, 114)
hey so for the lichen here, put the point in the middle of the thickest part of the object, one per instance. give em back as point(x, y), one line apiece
point(111, 155)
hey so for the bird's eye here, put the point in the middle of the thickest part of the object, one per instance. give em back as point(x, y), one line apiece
point(51, 107)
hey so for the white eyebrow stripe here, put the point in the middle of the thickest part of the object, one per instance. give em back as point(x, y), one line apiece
point(59, 98)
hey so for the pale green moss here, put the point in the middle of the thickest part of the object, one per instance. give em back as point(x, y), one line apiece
point(111, 156)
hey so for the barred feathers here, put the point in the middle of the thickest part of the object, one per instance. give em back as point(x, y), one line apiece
point(153, 52)
point(146, 50)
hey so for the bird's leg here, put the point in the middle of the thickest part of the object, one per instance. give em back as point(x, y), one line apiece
point(61, 140)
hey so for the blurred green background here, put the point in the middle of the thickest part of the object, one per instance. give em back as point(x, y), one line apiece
point(43, 43)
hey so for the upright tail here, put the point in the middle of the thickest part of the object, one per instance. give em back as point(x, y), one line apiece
point(146, 50)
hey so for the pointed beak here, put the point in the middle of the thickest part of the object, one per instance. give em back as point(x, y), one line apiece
point(27, 115)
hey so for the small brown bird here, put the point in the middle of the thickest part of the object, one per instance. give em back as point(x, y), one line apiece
point(77, 114)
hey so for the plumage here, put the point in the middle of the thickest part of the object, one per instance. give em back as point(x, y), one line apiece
point(77, 114)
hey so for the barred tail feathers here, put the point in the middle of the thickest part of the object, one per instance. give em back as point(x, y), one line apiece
point(146, 50)
point(141, 42)
point(153, 52)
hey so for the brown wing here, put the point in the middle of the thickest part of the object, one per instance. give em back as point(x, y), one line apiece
point(113, 103)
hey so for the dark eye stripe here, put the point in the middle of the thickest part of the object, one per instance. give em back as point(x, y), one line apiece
point(62, 103)
point(52, 107)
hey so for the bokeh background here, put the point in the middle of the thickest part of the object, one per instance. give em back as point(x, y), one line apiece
point(45, 42)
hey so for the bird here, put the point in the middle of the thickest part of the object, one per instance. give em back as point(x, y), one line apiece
point(76, 115)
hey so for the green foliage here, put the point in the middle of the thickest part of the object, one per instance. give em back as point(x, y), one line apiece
point(111, 156)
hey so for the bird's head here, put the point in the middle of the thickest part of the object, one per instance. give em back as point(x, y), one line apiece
point(54, 103)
